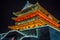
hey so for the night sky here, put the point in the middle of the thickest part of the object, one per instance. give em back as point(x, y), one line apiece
point(7, 7)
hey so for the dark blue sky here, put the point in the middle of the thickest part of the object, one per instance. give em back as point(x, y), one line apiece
point(9, 6)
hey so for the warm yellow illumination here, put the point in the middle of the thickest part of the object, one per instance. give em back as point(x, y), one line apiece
point(28, 25)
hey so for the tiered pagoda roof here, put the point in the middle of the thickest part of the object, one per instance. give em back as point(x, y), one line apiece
point(29, 14)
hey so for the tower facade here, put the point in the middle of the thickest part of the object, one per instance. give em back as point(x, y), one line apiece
point(32, 23)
